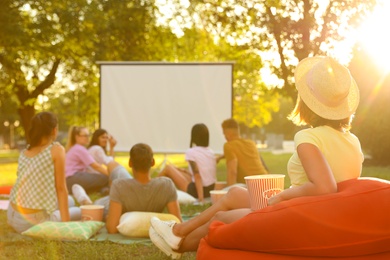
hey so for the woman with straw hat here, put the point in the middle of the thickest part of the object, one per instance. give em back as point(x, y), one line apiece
point(326, 153)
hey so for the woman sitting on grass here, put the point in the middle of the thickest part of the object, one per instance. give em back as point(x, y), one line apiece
point(78, 161)
point(98, 149)
point(202, 174)
point(40, 188)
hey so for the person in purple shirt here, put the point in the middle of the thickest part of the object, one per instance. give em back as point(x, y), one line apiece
point(77, 161)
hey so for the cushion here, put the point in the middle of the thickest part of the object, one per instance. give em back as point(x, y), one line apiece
point(137, 224)
point(185, 198)
point(5, 190)
point(73, 230)
point(354, 221)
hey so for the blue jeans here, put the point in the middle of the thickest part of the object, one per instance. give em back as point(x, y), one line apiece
point(22, 222)
point(120, 172)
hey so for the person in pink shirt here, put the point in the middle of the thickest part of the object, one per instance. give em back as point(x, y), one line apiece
point(78, 160)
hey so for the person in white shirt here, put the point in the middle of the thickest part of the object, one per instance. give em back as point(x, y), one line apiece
point(98, 149)
point(201, 175)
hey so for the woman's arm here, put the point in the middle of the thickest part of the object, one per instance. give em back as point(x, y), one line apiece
point(112, 141)
point(320, 176)
point(99, 155)
point(58, 155)
point(220, 157)
point(198, 180)
point(99, 168)
point(174, 209)
point(113, 217)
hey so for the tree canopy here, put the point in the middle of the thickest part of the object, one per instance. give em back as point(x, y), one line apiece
point(49, 53)
point(291, 30)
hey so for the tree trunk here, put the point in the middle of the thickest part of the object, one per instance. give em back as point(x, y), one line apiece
point(26, 108)
point(26, 113)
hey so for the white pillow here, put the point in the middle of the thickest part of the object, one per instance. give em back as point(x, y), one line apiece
point(185, 198)
point(137, 224)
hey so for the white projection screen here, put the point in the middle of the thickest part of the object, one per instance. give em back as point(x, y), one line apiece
point(157, 103)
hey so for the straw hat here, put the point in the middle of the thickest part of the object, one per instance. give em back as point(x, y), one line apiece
point(326, 87)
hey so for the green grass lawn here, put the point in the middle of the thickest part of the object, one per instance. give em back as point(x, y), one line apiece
point(11, 248)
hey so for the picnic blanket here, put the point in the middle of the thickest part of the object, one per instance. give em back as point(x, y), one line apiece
point(103, 235)
point(9, 235)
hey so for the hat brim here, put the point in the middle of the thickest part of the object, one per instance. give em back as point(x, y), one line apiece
point(344, 110)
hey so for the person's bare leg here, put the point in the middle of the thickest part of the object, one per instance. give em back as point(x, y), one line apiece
point(176, 175)
point(236, 198)
point(110, 167)
point(186, 174)
point(191, 241)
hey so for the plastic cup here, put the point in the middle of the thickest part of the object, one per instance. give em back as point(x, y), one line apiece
point(215, 195)
point(92, 212)
point(263, 187)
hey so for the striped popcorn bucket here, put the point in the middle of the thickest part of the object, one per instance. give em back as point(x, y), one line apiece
point(263, 187)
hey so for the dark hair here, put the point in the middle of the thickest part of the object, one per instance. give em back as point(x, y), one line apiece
point(141, 157)
point(42, 125)
point(199, 135)
point(230, 124)
point(303, 115)
point(95, 137)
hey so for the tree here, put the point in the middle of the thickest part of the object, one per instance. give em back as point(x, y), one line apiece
point(292, 30)
point(52, 47)
point(42, 40)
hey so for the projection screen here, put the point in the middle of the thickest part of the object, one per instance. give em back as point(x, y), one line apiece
point(157, 103)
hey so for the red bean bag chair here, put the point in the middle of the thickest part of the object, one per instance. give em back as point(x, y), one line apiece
point(353, 223)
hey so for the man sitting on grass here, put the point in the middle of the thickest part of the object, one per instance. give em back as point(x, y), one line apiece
point(139, 194)
point(242, 156)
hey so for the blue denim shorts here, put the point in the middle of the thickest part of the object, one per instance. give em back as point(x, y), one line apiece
point(120, 172)
point(22, 222)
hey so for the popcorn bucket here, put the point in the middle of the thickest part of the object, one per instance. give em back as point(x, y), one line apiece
point(263, 187)
point(92, 212)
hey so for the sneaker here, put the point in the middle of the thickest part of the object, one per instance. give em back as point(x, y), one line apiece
point(164, 229)
point(80, 195)
point(162, 245)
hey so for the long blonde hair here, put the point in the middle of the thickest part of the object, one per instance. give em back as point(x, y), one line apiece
point(73, 131)
point(303, 115)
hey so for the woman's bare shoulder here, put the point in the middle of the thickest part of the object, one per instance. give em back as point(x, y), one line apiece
point(57, 147)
